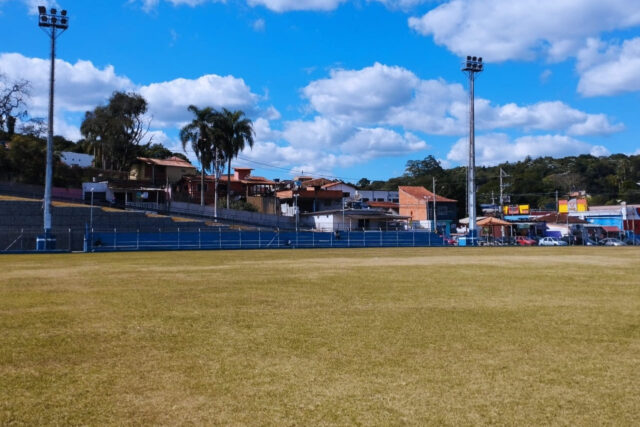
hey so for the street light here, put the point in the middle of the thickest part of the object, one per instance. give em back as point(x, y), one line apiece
point(53, 25)
point(472, 66)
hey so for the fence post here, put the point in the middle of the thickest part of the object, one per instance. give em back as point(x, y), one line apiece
point(397, 239)
point(115, 238)
point(413, 237)
point(178, 237)
point(219, 238)
point(259, 240)
point(21, 239)
point(240, 237)
point(331, 239)
point(313, 240)
point(349, 238)
point(380, 238)
point(69, 239)
point(199, 240)
point(138, 239)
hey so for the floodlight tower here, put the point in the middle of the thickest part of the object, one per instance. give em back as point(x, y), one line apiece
point(472, 66)
point(53, 25)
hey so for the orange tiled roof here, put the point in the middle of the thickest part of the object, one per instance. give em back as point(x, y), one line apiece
point(422, 193)
point(386, 205)
point(317, 182)
point(256, 180)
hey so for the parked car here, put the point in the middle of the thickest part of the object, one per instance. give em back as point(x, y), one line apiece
point(634, 241)
point(505, 241)
point(551, 241)
point(525, 241)
point(612, 241)
point(449, 241)
point(482, 241)
point(589, 242)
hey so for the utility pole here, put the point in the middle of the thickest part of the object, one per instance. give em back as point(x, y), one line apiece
point(472, 66)
point(435, 217)
point(557, 205)
point(53, 25)
point(503, 174)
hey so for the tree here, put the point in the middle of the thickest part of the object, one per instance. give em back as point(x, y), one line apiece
point(13, 97)
point(428, 166)
point(35, 127)
point(28, 158)
point(116, 131)
point(200, 135)
point(156, 151)
point(363, 184)
point(235, 131)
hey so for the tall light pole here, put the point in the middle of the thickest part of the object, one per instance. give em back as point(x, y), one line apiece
point(472, 66)
point(53, 25)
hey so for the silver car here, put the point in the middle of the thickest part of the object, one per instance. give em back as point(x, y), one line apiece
point(551, 241)
point(611, 241)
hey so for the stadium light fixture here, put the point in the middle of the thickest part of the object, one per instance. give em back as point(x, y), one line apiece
point(53, 25)
point(471, 66)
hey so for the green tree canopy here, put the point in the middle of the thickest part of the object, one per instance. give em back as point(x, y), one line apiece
point(116, 131)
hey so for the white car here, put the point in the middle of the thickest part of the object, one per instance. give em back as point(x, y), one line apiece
point(551, 241)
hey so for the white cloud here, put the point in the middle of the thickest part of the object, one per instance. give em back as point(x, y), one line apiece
point(298, 160)
point(401, 4)
point(259, 25)
point(321, 133)
point(380, 142)
point(82, 86)
point(501, 30)
point(79, 87)
point(168, 101)
point(492, 149)
point(362, 95)
point(394, 96)
point(289, 5)
point(32, 5)
point(555, 116)
point(609, 69)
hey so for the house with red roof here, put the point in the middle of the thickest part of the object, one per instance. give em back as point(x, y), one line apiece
point(243, 185)
point(418, 204)
point(160, 171)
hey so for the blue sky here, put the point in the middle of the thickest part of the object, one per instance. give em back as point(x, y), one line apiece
point(350, 88)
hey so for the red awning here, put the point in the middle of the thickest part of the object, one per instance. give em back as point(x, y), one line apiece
point(610, 228)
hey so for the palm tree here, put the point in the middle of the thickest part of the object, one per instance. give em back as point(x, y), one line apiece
point(235, 132)
point(200, 135)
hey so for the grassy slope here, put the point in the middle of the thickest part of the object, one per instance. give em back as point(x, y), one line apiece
point(441, 336)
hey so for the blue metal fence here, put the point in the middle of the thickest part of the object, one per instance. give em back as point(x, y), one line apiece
point(177, 240)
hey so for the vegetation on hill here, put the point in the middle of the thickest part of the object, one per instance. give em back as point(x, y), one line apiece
point(606, 180)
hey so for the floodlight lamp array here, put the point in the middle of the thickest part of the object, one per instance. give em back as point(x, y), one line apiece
point(473, 64)
point(52, 19)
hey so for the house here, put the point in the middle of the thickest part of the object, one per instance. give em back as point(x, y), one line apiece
point(160, 171)
point(76, 159)
point(613, 221)
point(242, 186)
point(417, 203)
point(352, 219)
point(121, 192)
point(389, 207)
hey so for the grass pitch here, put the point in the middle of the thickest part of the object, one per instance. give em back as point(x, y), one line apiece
point(306, 337)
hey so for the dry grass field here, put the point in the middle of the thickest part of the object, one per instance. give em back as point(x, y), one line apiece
point(443, 336)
